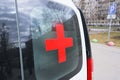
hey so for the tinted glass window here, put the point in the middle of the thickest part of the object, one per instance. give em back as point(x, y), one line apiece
point(37, 24)
point(9, 51)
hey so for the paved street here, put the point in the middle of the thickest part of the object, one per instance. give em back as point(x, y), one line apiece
point(106, 62)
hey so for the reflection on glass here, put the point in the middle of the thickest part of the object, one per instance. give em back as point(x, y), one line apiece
point(25, 36)
point(9, 51)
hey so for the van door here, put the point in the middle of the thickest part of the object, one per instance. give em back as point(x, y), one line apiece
point(41, 41)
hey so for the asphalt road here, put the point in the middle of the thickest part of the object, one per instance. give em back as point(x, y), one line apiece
point(106, 62)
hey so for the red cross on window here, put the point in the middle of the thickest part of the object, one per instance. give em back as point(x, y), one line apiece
point(60, 43)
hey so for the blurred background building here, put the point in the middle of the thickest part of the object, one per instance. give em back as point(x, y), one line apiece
point(96, 11)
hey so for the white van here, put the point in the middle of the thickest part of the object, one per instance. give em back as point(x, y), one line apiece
point(43, 40)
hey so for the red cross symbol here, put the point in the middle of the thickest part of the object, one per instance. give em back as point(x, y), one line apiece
point(60, 43)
